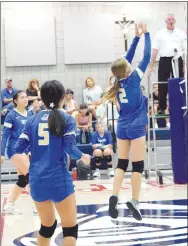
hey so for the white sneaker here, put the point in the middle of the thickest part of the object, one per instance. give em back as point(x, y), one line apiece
point(133, 206)
point(168, 124)
point(34, 210)
point(9, 208)
point(97, 173)
point(111, 172)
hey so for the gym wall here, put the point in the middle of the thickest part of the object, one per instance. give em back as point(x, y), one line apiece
point(73, 76)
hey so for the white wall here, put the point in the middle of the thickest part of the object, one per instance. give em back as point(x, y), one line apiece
point(73, 76)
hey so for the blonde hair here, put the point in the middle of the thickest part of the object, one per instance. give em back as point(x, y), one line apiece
point(30, 83)
point(90, 79)
point(120, 69)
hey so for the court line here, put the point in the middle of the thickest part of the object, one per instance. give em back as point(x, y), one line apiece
point(2, 223)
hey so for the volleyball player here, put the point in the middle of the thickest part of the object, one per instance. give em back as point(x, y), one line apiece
point(13, 126)
point(51, 136)
point(131, 129)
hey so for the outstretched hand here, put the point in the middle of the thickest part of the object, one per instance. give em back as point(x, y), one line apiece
point(143, 28)
point(138, 33)
point(139, 29)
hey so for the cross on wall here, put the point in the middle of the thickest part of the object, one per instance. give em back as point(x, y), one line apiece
point(124, 24)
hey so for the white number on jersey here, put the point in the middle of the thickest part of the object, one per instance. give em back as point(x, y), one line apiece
point(42, 132)
point(122, 95)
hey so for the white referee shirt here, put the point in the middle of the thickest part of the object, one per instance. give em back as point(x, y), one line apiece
point(166, 41)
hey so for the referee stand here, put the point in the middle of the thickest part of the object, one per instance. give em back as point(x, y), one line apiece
point(178, 121)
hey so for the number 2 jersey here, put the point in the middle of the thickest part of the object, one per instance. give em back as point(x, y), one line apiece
point(133, 110)
point(48, 164)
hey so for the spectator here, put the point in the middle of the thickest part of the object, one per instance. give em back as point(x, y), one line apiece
point(84, 124)
point(33, 92)
point(92, 94)
point(104, 114)
point(35, 108)
point(156, 106)
point(155, 98)
point(102, 146)
point(145, 98)
point(7, 94)
point(70, 105)
point(111, 82)
point(168, 42)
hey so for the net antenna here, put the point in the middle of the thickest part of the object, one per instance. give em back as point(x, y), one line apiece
point(125, 24)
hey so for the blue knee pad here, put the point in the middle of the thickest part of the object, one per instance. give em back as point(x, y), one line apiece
point(138, 167)
point(47, 232)
point(123, 164)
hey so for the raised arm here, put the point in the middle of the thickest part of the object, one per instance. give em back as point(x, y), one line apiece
point(147, 53)
point(130, 53)
point(138, 73)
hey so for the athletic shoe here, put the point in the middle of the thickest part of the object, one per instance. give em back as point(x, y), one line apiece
point(133, 206)
point(113, 203)
point(9, 208)
point(156, 125)
point(97, 173)
point(111, 172)
point(168, 124)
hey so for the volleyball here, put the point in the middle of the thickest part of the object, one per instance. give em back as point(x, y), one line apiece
point(143, 17)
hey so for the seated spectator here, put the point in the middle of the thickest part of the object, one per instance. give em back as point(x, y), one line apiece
point(33, 92)
point(155, 103)
point(155, 98)
point(7, 96)
point(145, 97)
point(92, 94)
point(84, 124)
point(167, 112)
point(35, 108)
point(102, 146)
point(70, 105)
point(111, 82)
point(104, 114)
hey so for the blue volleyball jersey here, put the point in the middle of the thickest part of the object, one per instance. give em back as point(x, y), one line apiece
point(130, 53)
point(130, 97)
point(30, 113)
point(48, 164)
point(13, 126)
point(104, 140)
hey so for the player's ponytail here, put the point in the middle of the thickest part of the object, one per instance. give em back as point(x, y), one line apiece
point(52, 94)
point(120, 69)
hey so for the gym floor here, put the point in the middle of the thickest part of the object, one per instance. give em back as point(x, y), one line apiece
point(164, 210)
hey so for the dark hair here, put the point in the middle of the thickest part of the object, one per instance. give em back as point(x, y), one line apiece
point(52, 92)
point(35, 100)
point(16, 95)
point(83, 106)
point(69, 91)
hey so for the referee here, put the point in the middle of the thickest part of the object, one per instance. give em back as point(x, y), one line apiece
point(168, 42)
